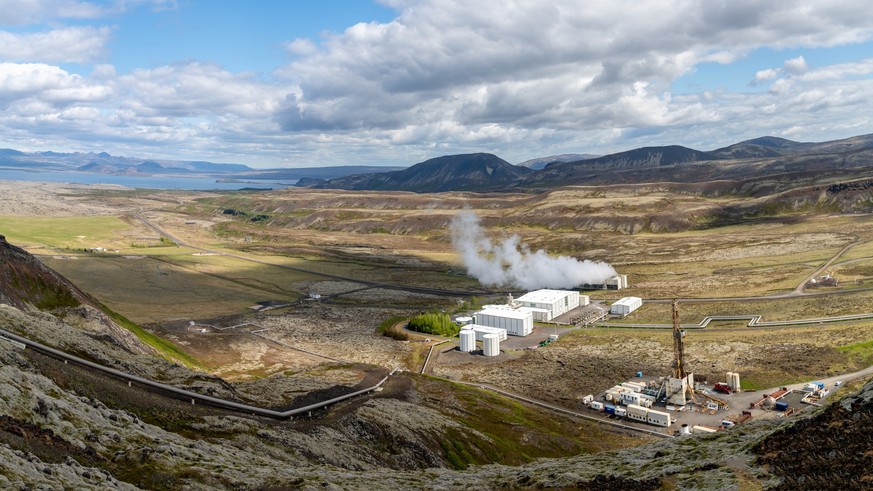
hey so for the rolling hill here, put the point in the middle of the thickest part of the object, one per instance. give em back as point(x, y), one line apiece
point(469, 172)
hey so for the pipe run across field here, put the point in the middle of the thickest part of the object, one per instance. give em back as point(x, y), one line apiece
point(187, 394)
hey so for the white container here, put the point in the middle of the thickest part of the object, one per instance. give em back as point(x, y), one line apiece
point(702, 429)
point(597, 406)
point(468, 341)
point(658, 418)
point(490, 345)
point(630, 398)
point(620, 411)
point(587, 399)
point(463, 321)
point(636, 412)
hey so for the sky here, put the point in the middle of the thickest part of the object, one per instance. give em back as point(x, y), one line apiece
point(295, 83)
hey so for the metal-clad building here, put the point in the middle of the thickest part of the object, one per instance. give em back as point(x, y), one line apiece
point(625, 305)
point(516, 322)
point(481, 331)
point(556, 302)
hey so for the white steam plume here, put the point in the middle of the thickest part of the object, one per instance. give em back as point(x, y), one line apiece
point(510, 263)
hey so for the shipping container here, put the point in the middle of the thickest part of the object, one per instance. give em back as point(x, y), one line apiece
point(587, 399)
point(620, 411)
point(609, 409)
point(781, 406)
point(597, 406)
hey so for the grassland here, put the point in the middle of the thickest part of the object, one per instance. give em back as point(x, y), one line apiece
point(63, 232)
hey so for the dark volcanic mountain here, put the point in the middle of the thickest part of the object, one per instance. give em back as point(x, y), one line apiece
point(542, 162)
point(469, 172)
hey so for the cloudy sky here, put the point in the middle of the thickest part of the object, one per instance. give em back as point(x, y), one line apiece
point(334, 82)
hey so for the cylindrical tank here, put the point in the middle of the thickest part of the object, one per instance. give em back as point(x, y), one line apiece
point(490, 345)
point(464, 320)
point(685, 430)
point(468, 340)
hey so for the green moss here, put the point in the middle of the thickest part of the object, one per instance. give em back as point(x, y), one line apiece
point(167, 349)
point(861, 353)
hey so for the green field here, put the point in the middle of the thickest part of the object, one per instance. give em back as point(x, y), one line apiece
point(62, 232)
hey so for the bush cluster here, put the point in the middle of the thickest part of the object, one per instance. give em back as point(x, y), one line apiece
point(434, 323)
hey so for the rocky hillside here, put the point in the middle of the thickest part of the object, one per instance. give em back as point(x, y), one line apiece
point(478, 172)
point(26, 281)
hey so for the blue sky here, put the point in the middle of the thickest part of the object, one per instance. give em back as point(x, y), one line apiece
point(394, 82)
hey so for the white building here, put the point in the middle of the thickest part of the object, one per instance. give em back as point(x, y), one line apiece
point(616, 282)
point(545, 305)
point(625, 305)
point(481, 331)
point(517, 322)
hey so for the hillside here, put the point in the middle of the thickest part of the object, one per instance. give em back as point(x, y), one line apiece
point(542, 162)
point(24, 281)
point(475, 172)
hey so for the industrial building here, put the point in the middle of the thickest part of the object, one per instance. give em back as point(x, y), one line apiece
point(481, 331)
point(625, 306)
point(616, 282)
point(545, 305)
point(517, 322)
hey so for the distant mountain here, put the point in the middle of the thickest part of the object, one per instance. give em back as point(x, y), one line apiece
point(765, 146)
point(323, 173)
point(542, 162)
point(478, 171)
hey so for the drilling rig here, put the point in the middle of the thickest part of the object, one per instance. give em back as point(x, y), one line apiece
point(678, 388)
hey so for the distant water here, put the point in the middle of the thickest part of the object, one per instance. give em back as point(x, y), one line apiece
point(151, 182)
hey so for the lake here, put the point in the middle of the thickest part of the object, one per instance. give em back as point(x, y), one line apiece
point(148, 182)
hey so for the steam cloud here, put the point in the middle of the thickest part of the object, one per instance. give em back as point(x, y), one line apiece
point(510, 263)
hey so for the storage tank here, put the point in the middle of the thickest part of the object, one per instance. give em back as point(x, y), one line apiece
point(684, 430)
point(468, 341)
point(490, 345)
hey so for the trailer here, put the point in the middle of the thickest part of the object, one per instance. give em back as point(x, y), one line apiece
point(587, 399)
point(658, 418)
point(597, 406)
point(630, 398)
point(636, 412)
point(609, 409)
point(621, 411)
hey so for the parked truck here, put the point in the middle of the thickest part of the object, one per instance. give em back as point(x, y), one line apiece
point(723, 388)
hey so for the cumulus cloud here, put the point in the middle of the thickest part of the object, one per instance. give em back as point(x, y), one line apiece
point(765, 75)
point(446, 76)
point(65, 45)
point(796, 66)
point(539, 65)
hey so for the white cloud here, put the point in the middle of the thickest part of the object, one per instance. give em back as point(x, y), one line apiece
point(764, 75)
point(796, 66)
point(540, 65)
point(65, 45)
point(448, 76)
point(25, 12)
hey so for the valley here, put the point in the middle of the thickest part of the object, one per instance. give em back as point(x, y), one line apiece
point(277, 299)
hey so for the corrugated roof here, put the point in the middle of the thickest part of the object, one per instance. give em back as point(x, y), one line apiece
point(545, 296)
